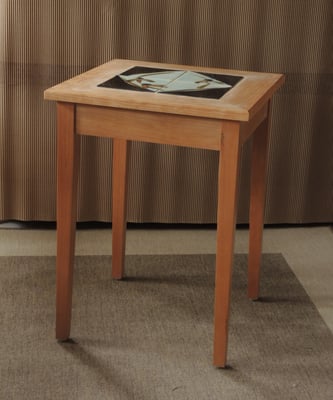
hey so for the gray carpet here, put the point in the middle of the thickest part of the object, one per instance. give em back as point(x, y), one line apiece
point(150, 336)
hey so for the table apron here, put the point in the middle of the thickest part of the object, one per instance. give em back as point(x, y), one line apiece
point(149, 127)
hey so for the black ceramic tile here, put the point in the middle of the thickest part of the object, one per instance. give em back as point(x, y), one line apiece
point(181, 83)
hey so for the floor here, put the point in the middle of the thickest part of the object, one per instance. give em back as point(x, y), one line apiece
point(308, 250)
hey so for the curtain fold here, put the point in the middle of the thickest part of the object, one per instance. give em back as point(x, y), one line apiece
point(43, 42)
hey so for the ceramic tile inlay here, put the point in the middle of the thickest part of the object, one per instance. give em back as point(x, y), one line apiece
point(186, 83)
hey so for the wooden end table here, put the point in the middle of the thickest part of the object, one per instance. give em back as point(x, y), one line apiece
point(132, 100)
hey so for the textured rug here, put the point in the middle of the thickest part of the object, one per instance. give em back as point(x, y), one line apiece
point(150, 336)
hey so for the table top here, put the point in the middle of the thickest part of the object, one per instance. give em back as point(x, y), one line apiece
point(169, 88)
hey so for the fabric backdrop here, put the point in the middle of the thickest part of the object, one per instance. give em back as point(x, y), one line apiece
point(43, 42)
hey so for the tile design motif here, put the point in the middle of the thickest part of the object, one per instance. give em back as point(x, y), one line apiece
point(173, 81)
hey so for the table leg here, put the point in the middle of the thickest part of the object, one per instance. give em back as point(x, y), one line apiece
point(68, 151)
point(226, 221)
point(119, 205)
point(257, 204)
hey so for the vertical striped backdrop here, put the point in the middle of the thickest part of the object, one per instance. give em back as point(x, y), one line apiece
point(43, 42)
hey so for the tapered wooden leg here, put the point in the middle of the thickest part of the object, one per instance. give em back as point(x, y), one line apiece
point(226, 221)
point(68, 151)
point(119, 206)
point(257, 204)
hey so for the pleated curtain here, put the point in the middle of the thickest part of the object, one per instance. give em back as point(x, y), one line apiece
point(43, 42)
